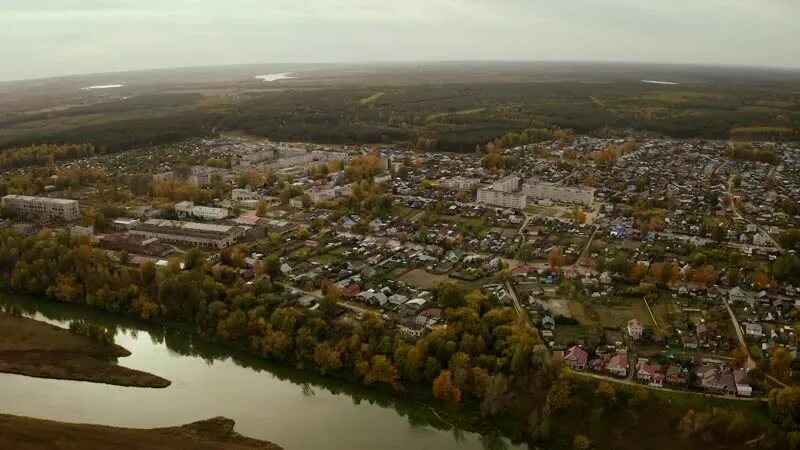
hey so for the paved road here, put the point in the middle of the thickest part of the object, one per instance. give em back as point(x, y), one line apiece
point(654, 388)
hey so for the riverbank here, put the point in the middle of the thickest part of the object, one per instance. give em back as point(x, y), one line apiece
point(24, 433)
point(42, 350)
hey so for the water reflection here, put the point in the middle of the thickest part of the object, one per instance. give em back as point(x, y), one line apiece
point(425, 429)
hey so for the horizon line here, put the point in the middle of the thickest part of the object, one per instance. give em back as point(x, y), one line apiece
point(420, 62)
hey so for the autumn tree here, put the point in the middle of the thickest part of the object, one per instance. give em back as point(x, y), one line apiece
point(780, 361)
point(555, 257)
point(445, 390)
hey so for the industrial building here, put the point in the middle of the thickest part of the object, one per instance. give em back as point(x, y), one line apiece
point(190, 233)
point(42, 207)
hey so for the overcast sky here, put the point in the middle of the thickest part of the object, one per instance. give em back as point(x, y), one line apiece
point(43, 38)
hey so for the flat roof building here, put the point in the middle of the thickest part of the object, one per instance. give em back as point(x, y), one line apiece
point(190, 233)
point(507, 184)
point(462, 183)
point(580, 195)
point(42, 207)
point(491, 196)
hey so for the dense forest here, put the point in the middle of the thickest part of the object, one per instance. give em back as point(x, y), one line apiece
point(486, 363)
point(446, 117)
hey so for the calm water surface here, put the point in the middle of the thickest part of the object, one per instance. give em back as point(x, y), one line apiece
point(295, 409)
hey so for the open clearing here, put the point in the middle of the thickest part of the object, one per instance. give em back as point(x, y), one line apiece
point(371, 98)
point(421, 279)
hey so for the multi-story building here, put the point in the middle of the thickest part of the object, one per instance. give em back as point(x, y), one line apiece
point(190, 233)
point(491, 196)
point(507, 184)
point(461, 183)
point(188, 209)
point(42, 207)
point(200, 176)
point(580, 195)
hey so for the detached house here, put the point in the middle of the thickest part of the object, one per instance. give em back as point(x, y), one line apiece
point(648, 374)
point(576, 358)
point(635, 329)
point(618, 366)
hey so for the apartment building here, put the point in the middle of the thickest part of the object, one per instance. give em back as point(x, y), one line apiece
point(507, 184)
point(42, 207)
point(189, 233)
point(579, 195)
point(491, 196)
point(461, 183)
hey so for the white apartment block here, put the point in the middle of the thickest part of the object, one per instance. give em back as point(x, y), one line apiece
point(42, 207)
point(490, 196)
point(580, 195)
point(188, 209)
point(507, 184)
point(462, 183)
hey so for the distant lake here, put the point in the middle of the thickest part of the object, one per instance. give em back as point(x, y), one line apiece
point(658, 82)
point(275, 76)
point(103, 86)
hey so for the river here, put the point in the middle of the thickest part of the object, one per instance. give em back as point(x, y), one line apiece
point(295, 409)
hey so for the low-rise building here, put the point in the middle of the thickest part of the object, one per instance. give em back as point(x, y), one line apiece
point(190, 233)
point(42, 207)
point(576, 358)
point(635, 329)
point(188, 209)
point(238, 195)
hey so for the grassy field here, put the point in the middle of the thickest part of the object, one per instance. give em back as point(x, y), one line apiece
point(422, 279)
point(23, 433)
point(41, 350)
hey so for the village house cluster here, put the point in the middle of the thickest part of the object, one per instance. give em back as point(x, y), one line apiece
point(636, 259)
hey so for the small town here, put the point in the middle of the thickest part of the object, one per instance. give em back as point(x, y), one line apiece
point(670, 264)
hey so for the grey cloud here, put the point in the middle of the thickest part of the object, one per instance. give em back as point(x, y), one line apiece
point(54, 37)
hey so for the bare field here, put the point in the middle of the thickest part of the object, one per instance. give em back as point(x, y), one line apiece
point(421, 279)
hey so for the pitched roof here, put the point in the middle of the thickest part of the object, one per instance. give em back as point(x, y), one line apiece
point(577, 354)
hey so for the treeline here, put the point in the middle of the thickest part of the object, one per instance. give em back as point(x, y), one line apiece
point(123, 134)
point(744, 152)
point(43, 155)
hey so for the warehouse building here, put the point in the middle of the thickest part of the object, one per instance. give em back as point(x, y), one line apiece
point(190, 233)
